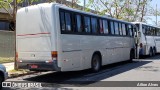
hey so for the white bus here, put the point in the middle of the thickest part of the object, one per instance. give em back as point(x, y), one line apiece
point(58, 38)
point(149, 42)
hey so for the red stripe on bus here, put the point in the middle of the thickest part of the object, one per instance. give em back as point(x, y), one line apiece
point(33, 34)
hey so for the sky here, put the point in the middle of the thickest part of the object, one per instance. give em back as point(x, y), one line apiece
point(153, 4)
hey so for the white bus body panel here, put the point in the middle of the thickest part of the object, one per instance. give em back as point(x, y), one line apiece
point(35, 33)
point(75, 51)
point(157, 42)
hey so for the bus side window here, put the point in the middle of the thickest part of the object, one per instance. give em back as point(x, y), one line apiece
point(112, 27)
point(120, 28)
point(155, 32)
point(145, 30)
point(101, 26)
point(133, 30)
point(116, 28)
point(158, 32)
point(87, 24)
point(130, 30)
point(105, 26)
point(79, 26)
point(68, 21)
point(151, 31)
point(124, 29)
point(94, 26)
point(127, 30)
point(62, 21)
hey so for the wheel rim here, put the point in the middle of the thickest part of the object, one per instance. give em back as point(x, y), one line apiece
point(96, 63)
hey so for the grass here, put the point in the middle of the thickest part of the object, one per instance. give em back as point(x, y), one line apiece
point(6, 60)
point(20, 72)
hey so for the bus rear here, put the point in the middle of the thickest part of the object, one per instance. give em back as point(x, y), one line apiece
point(35, 39)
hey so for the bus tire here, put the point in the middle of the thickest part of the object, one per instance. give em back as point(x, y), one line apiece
point(1, 79)
point(150, 52)
point(154, 51)
point(132, 55)
point(96, 63)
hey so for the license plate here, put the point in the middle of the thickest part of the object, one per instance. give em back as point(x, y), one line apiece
point(34, 66)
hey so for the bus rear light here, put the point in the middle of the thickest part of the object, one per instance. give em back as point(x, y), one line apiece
point(54, 54)
point(141, 45)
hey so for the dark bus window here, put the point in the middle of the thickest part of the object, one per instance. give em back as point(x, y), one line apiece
point(111, 27)
point(120, 28)
point(124, 29)
point(137, 25)
point(145, 29)
point(68, 21)
point(78, 23)
point(105, 26)
point(133, 30)
point(154, 32)
point(116, 28)
point(87, 23)
point(101, 26)
point(149, 31)
point(94, 25)
point(62, 21)
point(158, 32)
point(130, 30)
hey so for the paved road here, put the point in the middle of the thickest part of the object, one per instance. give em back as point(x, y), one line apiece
point(140, 70)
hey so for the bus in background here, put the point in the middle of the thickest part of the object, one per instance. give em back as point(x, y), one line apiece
point(149, 42)
point(53, 37)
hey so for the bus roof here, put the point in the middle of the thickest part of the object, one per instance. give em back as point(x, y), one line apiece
point(146, 24)
point(71, 9)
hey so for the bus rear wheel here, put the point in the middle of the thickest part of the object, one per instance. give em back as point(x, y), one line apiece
point(151, 52)
point(132, 55)
point(96, 64)
point(1, 80)
point(154, 51)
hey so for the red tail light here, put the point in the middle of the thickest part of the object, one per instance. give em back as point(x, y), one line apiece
point(54, 54)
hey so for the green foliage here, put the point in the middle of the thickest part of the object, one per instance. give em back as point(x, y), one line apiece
point(5, 4)
point(130, 10)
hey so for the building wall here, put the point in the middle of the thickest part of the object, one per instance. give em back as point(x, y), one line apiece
point(7, 44)
point(4, 16)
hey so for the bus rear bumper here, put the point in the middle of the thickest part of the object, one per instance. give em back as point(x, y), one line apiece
point(38, 65)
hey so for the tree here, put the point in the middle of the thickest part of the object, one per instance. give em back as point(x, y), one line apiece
point(129, 10)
